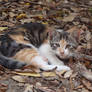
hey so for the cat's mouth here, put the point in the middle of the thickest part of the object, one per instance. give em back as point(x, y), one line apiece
point(63, 59)
point(63, 56)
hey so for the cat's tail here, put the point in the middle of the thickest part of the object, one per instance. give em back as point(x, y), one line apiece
point(10, 63)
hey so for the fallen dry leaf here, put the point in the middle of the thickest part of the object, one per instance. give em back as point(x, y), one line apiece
point(29, 88)
point(18, 78)
point(68, 74)
point(3, 28)
point(70, 17)
point(21, 16)
point(87, 84)
point(3, 87)
point(45, 74)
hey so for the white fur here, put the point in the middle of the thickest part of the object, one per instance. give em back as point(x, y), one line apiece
point(46, 51)
point(66, 51)
point(45, 66)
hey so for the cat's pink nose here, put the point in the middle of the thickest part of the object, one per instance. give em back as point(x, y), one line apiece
point(62, 53)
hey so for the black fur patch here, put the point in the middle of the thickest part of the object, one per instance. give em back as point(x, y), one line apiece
point(9, 47)
point(35, 32)
point(10, 63)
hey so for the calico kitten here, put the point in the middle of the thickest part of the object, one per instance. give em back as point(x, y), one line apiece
point(30, 44)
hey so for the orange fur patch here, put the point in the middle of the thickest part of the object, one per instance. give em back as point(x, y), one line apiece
point(45, 41)
point(63, 43)
point(19, 39)
point(26, 55)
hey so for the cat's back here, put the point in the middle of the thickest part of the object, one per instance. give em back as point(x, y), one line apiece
point(21, 36)
point(34, 33)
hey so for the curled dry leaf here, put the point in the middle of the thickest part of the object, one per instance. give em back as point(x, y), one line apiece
point(87, 74)
point(3, 28)
point(38, 84)
point(21, 16)
point(11, 14)
point(87, 84)
point(3, 87)
point(29, 88)
point(19, 78)
point(88, 35)
point(68, 74)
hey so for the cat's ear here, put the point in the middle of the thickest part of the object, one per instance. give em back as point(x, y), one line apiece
point(50, 32)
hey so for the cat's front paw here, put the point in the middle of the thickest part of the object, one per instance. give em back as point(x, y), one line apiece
point(63, 67)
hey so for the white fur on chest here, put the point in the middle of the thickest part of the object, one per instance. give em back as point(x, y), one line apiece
point(46, 51)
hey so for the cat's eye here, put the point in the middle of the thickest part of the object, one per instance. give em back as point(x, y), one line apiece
point(68, 46)
point(56, 45)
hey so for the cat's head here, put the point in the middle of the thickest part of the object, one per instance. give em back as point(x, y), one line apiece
point(62, 43)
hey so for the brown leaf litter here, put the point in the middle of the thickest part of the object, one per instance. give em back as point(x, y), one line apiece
point(74, 16)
